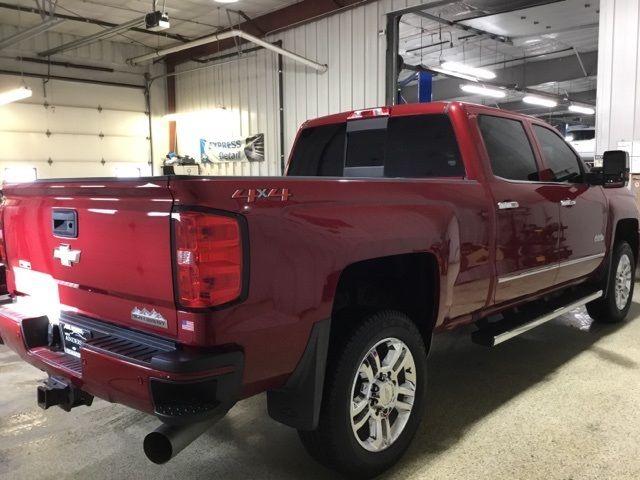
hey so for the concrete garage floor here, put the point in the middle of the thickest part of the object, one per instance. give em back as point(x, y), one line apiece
point(561, 402)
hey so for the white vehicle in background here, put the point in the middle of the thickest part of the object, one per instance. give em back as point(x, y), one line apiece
point(583, 140)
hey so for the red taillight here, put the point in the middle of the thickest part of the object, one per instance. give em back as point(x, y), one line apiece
point(208, 257)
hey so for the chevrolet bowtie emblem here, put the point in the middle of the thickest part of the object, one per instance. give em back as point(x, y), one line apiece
point(66, 256)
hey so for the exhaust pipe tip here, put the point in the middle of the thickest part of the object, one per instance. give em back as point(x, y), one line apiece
point(158, 448)
point(167, 441)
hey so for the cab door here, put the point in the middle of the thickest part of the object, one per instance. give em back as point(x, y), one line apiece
point(583, 208)
point(527, 221)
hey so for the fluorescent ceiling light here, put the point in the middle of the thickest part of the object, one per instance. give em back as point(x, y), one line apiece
point(581, 109)
point(488, 92)
point(543, 102)
point(226, 1)
point(452, 74)
point(14, 95)
point(468, 70)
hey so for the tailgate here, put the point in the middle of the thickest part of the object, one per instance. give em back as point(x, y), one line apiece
point(102, 248)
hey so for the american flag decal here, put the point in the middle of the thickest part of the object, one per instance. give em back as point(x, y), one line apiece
point(187, 325)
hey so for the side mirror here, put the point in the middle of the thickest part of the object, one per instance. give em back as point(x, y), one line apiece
point(615, 169)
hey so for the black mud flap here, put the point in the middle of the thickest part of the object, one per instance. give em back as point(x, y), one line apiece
point(297, 404)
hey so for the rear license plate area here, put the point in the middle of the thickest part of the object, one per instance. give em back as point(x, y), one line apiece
point(73, 338)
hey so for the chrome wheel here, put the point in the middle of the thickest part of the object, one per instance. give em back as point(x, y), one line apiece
point(623, 282)
point(383, 394)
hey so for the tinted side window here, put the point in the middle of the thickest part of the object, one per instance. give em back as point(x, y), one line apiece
point(558, 156)
point(319, 152)
point(509, 150)
point(422, 146)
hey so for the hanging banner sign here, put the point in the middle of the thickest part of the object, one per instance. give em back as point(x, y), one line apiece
point(233, 149)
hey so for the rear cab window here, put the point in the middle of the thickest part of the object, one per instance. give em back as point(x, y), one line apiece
point(414, 146)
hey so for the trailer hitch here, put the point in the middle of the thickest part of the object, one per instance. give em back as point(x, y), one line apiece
point(59, 391)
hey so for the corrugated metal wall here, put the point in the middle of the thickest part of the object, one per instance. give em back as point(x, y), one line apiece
point(618, 97)
point(352, 43)
point(248, 91)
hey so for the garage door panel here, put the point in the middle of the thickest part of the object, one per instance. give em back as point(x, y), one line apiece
point(24, 117)
point(125, 123)
point(82, 125)
point(73, 169)
point(125, 148)
point(57, 147)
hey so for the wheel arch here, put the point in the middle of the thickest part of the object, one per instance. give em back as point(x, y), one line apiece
point(408, 283)
point(627, 230)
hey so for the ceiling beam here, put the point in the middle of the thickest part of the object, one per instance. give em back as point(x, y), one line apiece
point(299, 13)
point(92, 21)
point(88, 40)
point(503, 6)
point(466, 28)
point(29, 32)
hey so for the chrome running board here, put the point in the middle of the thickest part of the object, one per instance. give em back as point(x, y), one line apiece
point(499, 332)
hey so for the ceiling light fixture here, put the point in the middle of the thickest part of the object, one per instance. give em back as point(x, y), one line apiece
point(226, 1)
point(468, 70)
point(543, 102)
point(582, 109)
point(449, 73)
point(478, 90)
point(14, 95)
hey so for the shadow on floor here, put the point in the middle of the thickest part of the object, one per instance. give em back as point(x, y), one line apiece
point(469, 382)
point(466, 383)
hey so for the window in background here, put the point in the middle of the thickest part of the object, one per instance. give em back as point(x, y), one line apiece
point(20, 174)
point(127, 172)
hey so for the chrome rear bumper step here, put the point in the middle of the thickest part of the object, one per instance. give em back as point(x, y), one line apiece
point(499, 332)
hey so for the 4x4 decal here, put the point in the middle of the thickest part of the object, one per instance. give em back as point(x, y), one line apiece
point(253, 194)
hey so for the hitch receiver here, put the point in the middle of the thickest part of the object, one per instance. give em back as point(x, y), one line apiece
point(60, 392)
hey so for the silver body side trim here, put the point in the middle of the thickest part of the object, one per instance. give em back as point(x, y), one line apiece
point(547, 268)
point(503, 337)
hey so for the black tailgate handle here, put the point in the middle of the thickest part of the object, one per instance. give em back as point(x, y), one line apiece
point(65, 223)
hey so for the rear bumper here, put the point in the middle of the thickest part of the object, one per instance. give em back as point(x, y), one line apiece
point(121, 366)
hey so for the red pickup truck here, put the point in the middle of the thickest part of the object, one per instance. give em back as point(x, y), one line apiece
point(180, 296)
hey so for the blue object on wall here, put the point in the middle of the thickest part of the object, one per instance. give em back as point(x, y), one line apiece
point(425, 87)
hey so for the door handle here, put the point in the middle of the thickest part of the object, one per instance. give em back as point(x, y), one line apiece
point(508, 205)
point(567, 203)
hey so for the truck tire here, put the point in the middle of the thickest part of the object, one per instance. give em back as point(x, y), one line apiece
point(373, 399)
point(615, 306)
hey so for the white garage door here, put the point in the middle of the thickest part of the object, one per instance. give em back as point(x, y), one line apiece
point(69, 129)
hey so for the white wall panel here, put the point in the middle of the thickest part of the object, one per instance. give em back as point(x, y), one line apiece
point(352, 43)
point(247, 91)
point(78, 112)
point(618, 96)
point(82, 125)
